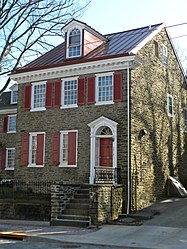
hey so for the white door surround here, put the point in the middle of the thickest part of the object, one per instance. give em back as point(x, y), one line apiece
point(96, 126)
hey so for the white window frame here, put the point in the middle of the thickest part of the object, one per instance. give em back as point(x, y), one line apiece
point(8, 127)
point(67, 46)
point(61, 144)
point(31, 134)
point(62, 93)
point(168, 105)
point(12, 97)
point(97, 89)
point(185, 120)
point(32, 97)
point(164, 55)
point(6, 165)
point(13, 88)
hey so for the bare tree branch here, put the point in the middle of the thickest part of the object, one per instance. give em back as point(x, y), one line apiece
point(26, 28)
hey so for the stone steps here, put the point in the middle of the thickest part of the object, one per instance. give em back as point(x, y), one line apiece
point(76, 200)
point(72, 223)
point(81, 196)
point(82, 206)
point(76, 213)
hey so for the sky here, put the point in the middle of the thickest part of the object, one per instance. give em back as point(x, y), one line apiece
point(110, 16)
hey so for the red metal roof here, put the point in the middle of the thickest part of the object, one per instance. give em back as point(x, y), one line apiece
point(118, 44)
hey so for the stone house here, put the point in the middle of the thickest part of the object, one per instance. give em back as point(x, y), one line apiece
point(101, 110)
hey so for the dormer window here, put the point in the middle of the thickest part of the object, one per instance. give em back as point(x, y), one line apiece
point(74, 46)
point(81, 39)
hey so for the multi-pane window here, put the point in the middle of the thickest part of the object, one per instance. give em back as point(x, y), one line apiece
point(65, 148)
point(74, 43)
point(14, 97)
point(170, 105)
point(36, 149)
point(33, 149)
point(69, 95)
point(38, 96)
point(104, 88)
point(68, 148)
point(164, 56)
point(10, 158)
point(185, 119)
point(11, 123)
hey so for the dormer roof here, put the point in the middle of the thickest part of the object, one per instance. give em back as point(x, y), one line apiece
point(85, 26)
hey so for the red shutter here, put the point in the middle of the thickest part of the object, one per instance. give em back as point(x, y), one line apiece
point(118, 86)
point(91, 90)
point(48, 100)
point(56, 148)
point(72, 148)
point(40, 149)
point(27, 98)
point(3, 157)
point(81, 91)
point(25, 149)
point(5, 124)
point(57, 94)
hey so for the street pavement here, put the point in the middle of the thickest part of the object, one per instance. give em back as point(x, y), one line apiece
point(167, 229)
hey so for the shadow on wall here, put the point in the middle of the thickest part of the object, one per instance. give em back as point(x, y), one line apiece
point(181, 146)
point(182, 167)
point(163, 144)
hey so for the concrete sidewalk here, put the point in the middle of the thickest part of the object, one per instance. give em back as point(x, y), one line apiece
point(129, 236)
point(165, 231)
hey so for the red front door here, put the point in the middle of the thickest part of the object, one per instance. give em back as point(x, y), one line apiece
point(105, 158)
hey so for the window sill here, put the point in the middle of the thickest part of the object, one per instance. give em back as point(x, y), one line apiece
point(35, 166)
point(12, 168)
point(11, 132)
point(38, 109)
point(69, 106)
point(105, 103)
point(67, 166)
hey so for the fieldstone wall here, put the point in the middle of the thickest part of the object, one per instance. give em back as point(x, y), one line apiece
point(24, 210)
point(160, 152)
point(105, 203)
point(60, 196)
point(9, 141)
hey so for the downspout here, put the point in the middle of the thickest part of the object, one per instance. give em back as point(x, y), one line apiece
point(128, 140)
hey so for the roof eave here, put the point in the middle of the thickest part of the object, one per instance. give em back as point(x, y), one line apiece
point(104, 64)
point(70, 62)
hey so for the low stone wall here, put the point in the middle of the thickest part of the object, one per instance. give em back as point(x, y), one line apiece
point(25, 210)
point(105, 203)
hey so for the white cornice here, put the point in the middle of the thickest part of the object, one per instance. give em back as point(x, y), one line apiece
point(98, 66)
point(8, 111)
